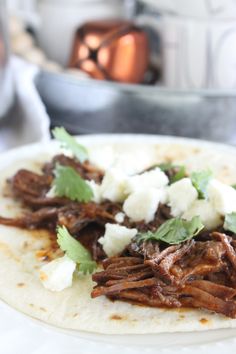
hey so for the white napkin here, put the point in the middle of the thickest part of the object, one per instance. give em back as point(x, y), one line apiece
point(27, 122)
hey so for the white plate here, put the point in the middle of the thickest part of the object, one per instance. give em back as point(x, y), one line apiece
point(21, 334)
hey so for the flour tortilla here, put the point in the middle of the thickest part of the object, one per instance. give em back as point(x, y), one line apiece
point(73, 308)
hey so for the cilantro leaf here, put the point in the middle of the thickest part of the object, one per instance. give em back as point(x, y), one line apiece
point(70, 143)
point(165, 166)
point(230, 222)
point(75, 250)
point(234, 186)
point(174, 172)
point(200, 181)
point(179, 175)
point(68, 183)
point(174, 231)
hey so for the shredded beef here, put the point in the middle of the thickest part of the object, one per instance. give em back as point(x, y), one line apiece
point(192, 274)
point(85, 169)
point(79, 218)
point(199, 273)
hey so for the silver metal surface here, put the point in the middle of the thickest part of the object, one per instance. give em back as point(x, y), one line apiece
point(103, 107)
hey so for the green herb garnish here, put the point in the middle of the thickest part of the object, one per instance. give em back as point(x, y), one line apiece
point(179, 175)
point(175, 172)
point(230, 222)
point(75, 250)
point(234, 186)
point(68, 183)
point(200, 181)
point(70, 143)
point(165, 166)
point(174, 231)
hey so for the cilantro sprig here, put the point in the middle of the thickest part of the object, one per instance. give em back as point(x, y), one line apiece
point(68, 183)
point(70, 143)
point(75, 250)
point(174, 231)
point(200, 180)
point(230, 222)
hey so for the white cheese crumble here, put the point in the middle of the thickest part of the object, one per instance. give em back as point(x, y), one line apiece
point(142, 205)
point(96, 188)
point(51, 193)
point(116, 238)
point(113, 185)
point(222, 197)
point(119, 217)
point(132, 159)
point(208, 215)
point(102, 156)
point(181, 195)
point(57, 274)
point(164, 197)
point(154, 178)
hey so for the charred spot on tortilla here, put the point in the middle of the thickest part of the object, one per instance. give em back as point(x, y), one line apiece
point(42, 255)
point(43, 309)
point(20, 285)
point(117, 317)
point(183, 310)
point(25, 245)
point(43, 276)
point(48, 253)
point(204, 321)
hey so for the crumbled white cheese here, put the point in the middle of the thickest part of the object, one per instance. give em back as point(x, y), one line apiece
point(113, 186)
point(164, 197)
point(142, 205)
point(120, 217)
point(181, 195)
point(150, 179)
point(222, 197)
point(133, 159)
point(102, 156)
point(208, 215)
point(57, 274)
point(116, 238)
point(96, 188)
point(51, 193)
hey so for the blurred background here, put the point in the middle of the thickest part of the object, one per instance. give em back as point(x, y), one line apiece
point(117, 66)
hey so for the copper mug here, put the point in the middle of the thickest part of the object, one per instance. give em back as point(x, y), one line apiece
point(111, 50)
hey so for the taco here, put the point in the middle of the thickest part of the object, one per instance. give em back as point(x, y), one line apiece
point(126, 235)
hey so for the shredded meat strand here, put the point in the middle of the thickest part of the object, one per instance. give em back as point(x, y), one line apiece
point(175, 276)
point(228, 248)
